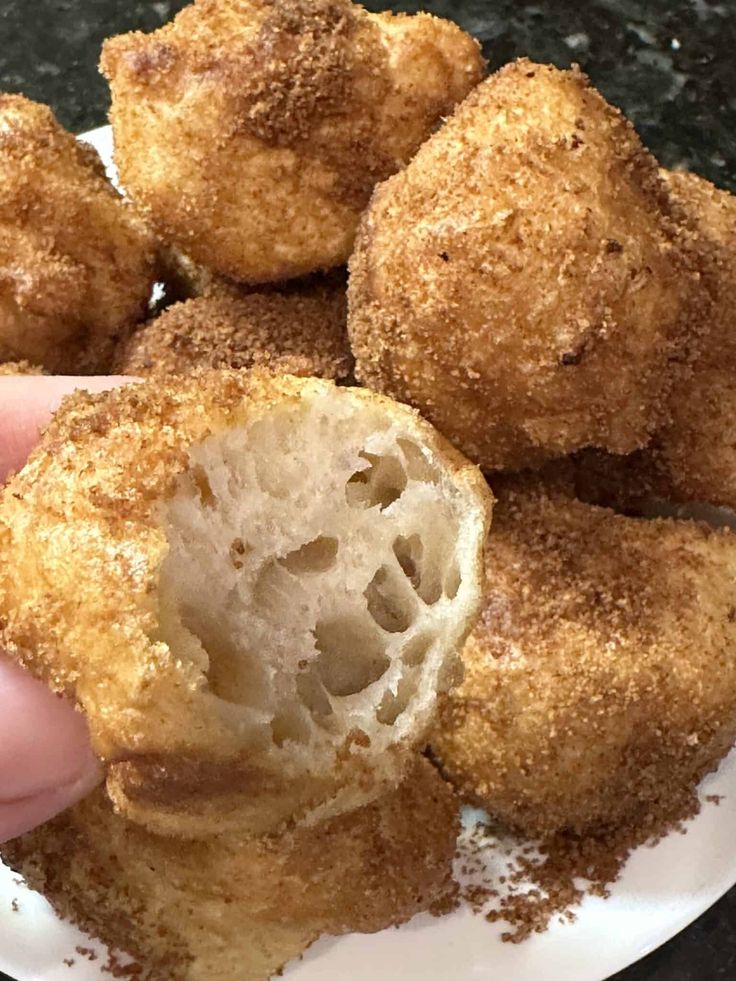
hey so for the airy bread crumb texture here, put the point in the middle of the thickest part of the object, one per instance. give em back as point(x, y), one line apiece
point(255, 587)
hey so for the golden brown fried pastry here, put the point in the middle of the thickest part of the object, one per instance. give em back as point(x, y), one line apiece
point(76, 264)
point(231, 907)
point(20, 368)
point(713, 213)
point(524, 281)
point(693, 457)
point(600, 683)
point(692, 460)
point(299, 329)
point(695, 454)
point(254, 587)
point(251, 132)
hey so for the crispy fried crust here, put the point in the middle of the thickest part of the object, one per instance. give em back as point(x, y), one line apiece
point(233, 907)
point(76, 264)
point(692, 460)
point(713, 212)
point(695, 453)
point(693, 457)
point(600, 683)
point(20, 368)
point(525, 281)
point(83, 538)
point(299, 329)
point(251, 133)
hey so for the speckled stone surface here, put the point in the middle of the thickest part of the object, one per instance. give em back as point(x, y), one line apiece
point(670, 64)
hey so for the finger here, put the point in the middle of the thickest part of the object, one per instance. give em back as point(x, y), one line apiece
point(27, 403)
point(46, 762)
point(18, 817)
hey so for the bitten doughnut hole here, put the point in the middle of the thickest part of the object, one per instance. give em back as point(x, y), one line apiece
point(313, 566)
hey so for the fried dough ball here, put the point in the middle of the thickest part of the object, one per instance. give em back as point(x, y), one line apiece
point(693, 457)
point(251, 132)
point(76, 264)
point(523, 281)
point(713, 212)
point(232, 907)
point(298, 329)
point(693, 460)
point(253, 586)
point(20, 368)
point(600, 683)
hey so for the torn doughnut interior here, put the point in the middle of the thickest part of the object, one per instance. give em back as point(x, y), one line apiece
point(316, 568)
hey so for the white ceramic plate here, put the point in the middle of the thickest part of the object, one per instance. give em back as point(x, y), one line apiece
point(662, 889)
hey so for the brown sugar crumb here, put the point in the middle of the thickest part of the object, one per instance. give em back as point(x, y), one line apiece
point(298, 329)
point(87, 952)
point(14, 905)
point(447, 903)
point(120, 966)
point(69, 961)
point(526, 884)
point(306, 72)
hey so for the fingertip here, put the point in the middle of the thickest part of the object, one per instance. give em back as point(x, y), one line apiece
point(44, 741)
point(20, 816)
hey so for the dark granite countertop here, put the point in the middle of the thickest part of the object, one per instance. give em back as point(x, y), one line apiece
point(670, 64)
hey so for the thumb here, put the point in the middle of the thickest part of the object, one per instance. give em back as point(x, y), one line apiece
point(27, 402)
point(46, 763)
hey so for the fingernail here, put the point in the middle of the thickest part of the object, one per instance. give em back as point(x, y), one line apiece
point(44, 742)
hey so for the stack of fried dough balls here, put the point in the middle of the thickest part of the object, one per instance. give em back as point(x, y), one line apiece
point(248, 138)
point(76, 262)
point(525, 281)
point(255, 587)
point(259, 581)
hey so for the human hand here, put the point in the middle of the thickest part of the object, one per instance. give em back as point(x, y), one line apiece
point(46, 763)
